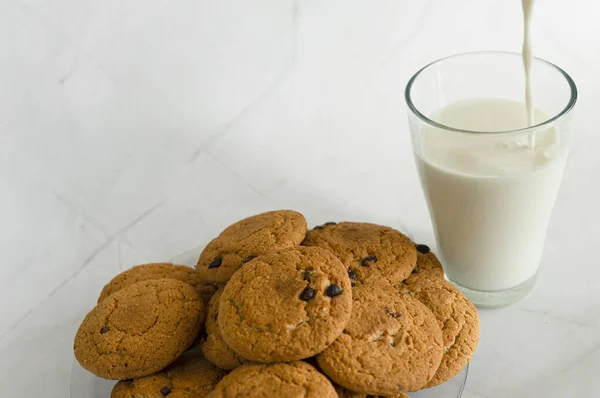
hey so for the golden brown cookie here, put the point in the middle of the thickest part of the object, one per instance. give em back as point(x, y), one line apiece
point(248, 238)
point(191, 376)
point(140, 329)
point(456, 316)
point(285, 306)
point(158, 271)
point(290, 380)
point(392, 344)
point(370, 252)
point(214, 348)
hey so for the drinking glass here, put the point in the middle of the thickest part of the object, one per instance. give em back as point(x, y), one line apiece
point(490, 220)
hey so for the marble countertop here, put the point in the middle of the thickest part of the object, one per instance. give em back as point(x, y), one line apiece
point(134, 131)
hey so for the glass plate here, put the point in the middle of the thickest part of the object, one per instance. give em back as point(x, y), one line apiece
point(86, 385)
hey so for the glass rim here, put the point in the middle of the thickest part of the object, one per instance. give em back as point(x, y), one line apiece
point(546, 124)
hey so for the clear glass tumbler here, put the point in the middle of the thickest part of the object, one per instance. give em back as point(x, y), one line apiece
point(489, 179)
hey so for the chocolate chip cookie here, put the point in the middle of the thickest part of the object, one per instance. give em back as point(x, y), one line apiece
point(158, 271)
point(371, 253)
point(285, 306)
point(290, 380)
point(456, 316)
point(392, 344)
point(248, 238)
point(214, 348)
point(140, 329)
point(190, 376)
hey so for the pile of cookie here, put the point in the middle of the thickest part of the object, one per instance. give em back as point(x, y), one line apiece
point(273, 310)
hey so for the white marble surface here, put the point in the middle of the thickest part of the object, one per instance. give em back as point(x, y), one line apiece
point(135, 130)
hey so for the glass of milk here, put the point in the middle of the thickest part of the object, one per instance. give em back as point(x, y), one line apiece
point(490, 179)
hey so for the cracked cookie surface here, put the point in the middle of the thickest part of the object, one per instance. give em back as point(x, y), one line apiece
point(392, 344)
point(191, 376)
point(214, 347)
point(145, 272)
point(457, 317)
point(140, 329)
point(251, 237)
point(290, 380)
point(371, 253)
point(285, 306)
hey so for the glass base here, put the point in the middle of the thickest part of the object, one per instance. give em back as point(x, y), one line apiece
point(502, 298)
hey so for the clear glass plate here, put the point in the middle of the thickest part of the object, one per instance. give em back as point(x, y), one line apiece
point(86, 385)
point(453, 388)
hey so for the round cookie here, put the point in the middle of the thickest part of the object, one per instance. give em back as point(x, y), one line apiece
point(371, 253)
point(158, 271)
point(191, 376)
point(290, 380)
point(286, 306)
point(392, 344)
point(214, 348)
point(248, 238)
point(140, 329)
point(428, 267)
point(456, 316)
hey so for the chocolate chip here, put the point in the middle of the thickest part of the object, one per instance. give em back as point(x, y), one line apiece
point(307, 294)
point(318, 227)
point(333, 290)
point(415, 271)
point(352, 275)
point(216, 262)
point(368, 259)
point(244, 261)
point(396, 315)
point(104, 329)
point(423, 249)
point(165, 391)
point(330, 223)
point(307, 274)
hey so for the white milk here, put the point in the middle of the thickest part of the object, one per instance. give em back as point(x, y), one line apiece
point(490, 195)
point(527, 60)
